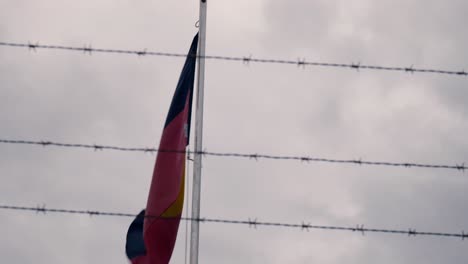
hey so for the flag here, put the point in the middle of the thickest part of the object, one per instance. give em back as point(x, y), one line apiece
point(152, 235)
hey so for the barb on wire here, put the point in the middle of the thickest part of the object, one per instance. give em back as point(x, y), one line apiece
point(246, 60)
point(410, 69)
point(301, 63)
point(412, 232)
point(88, 49)
point(356, 66)
point(142, 53)
point(251, 223)
point(33, 46)
point(305, 226)
point(254, 156)
point(360, 228)
point(41, 209)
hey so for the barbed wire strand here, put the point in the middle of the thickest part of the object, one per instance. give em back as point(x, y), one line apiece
point(88, 49)
point(460, 167)
point(253, 223)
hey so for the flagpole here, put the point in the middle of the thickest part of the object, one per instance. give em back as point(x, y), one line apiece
point(197, 166)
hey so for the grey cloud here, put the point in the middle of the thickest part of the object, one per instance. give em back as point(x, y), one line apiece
point(278, 109)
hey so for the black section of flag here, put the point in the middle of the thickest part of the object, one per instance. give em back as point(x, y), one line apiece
point(184, 87)
point(135, 245)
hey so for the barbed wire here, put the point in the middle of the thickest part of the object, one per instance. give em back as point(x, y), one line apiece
point(462, 167)
point(88, 49)
point(254, 223)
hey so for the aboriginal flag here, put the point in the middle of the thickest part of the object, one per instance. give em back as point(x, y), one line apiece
point(152, 235)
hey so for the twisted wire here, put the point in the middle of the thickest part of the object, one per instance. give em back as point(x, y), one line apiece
point(246, 60)
point(255, 156)
point(250, 222)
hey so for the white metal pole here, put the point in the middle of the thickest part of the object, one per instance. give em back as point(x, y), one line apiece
point(196, 189)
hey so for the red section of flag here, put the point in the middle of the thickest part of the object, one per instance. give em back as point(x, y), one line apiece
point(140, 260)
point(169, 168)
point(160, 233)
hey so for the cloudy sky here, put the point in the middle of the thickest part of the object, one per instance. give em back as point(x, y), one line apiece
point(257, 108)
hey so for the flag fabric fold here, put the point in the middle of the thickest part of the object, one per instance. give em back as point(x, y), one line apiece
point(152, 235)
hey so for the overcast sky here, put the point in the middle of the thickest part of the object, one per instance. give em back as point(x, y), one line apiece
point(258, 108)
